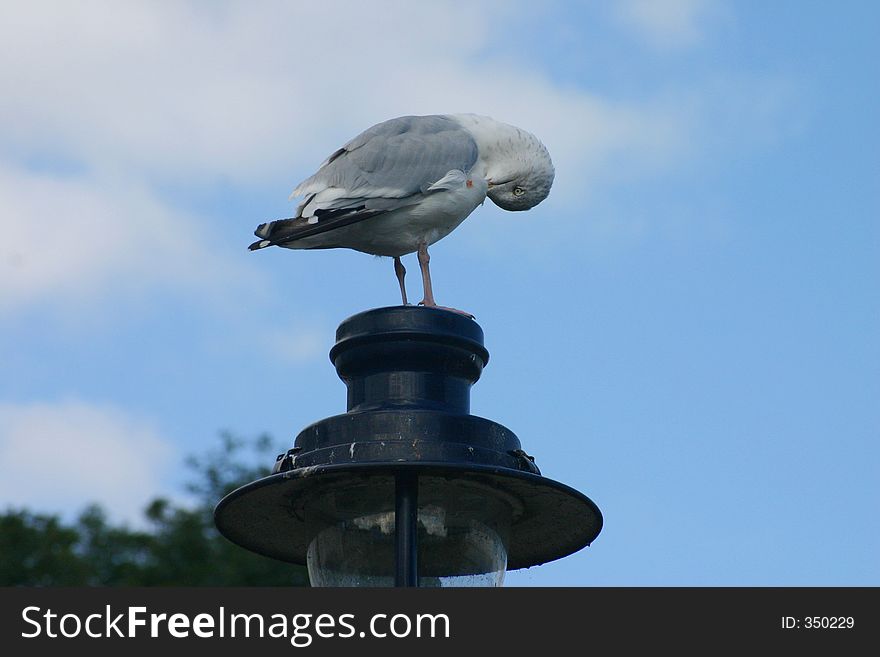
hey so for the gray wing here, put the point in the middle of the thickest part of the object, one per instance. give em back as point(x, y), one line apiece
point(388, 166)
point(392, 160)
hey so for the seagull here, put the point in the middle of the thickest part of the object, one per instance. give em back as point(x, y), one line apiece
point(405, 183)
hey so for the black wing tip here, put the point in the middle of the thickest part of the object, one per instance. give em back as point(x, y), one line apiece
point(260, 244)
point(264, 232)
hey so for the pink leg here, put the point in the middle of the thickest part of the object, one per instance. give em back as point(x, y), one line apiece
point(400, 271)
point(424, 261)
point(428, 301)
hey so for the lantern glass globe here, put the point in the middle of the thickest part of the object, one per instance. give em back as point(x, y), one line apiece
point(455, 549)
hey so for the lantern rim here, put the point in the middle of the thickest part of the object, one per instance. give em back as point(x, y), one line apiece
point(551, 520)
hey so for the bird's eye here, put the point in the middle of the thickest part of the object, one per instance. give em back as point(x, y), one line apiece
point(518, 191)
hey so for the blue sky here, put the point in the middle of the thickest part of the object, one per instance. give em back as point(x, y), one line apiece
point(686, 329)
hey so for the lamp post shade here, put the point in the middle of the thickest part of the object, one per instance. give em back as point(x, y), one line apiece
point(408, 372)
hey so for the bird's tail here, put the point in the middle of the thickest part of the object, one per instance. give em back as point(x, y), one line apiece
point(287, 232)
point(269, 234)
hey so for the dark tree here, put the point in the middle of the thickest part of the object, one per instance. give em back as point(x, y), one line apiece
point(180, 548)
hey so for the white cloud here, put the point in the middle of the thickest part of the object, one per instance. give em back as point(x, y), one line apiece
point(67, 239)
point(258, 94)
point(232, 89)
point(58, 457)
point(667, 24)
point(251, 91)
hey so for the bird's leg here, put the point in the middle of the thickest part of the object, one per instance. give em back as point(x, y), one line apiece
point(424, 261)
point(428, 301)
point(400, 271)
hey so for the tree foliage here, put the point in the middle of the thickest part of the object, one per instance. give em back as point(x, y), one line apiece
point(179, 547)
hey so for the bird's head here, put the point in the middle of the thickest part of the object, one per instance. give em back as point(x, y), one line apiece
point(521, 173)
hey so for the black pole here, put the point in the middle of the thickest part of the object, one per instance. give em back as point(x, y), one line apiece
point(406, 522)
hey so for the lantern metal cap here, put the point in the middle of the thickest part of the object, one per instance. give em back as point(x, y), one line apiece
point(408, 371)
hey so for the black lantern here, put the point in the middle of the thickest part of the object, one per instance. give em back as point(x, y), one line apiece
point(407, 488)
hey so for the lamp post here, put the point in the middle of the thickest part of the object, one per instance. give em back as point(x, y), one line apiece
point(407, 488)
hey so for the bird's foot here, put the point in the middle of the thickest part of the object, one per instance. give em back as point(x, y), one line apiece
point(452, 310)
